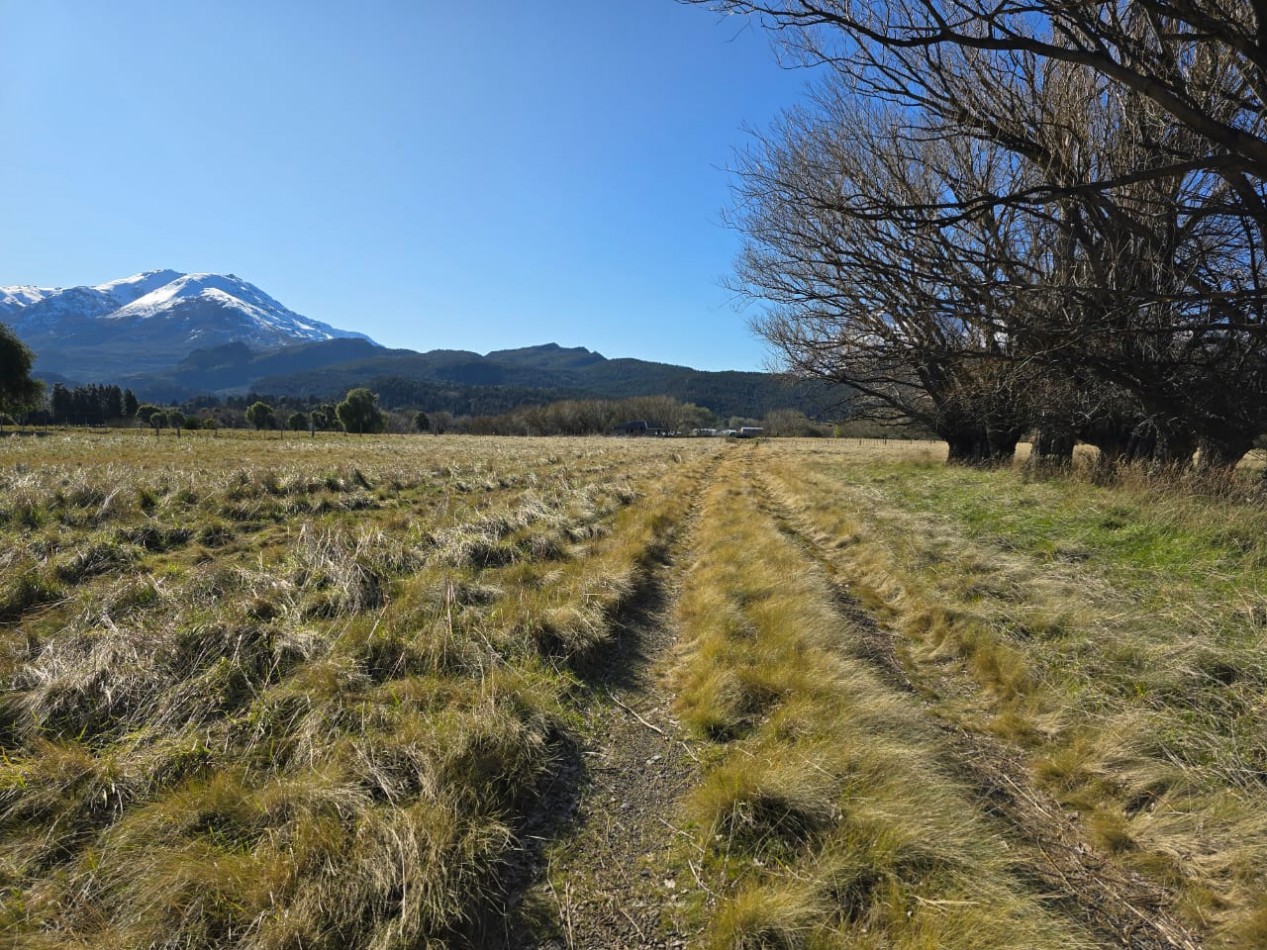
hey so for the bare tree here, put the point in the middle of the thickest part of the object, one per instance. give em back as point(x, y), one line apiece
point(1148, 305)
point(872, 287)
point(1202, 63)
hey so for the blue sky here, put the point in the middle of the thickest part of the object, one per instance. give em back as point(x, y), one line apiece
point(461, 175)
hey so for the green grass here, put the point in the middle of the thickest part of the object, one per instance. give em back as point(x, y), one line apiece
point(1135, 535)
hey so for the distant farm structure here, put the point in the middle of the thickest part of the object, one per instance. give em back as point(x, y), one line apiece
point(640, 427)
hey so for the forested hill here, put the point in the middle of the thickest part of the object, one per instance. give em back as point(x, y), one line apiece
point(465, 382)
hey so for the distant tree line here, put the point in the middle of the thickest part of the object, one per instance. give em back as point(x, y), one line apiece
point(91, 405)
point(724, 393)
point(359, 412)
point(593, 417)
point(1022, 217)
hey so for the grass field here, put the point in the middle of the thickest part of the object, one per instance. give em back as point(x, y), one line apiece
point(397, 692)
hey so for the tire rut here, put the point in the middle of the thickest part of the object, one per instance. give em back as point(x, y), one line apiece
point(605, 884)
point(1122, 907)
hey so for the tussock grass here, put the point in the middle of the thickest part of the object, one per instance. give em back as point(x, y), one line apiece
point(831, 818)
point(769, 919)
point(1112, 630)
point(24, 587)
point(285, 693)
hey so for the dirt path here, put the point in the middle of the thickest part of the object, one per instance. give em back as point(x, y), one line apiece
point(1121, 906)
point(603, 881)
point(608, 878)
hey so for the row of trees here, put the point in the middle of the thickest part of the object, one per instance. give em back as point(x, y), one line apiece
point(605, 416)
point(592, 417)
point(91, 405)
point(358, 413)
point(1020, 215)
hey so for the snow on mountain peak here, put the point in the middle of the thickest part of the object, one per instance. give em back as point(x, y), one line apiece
point(220, 305)
point(15, 298)
point(127, 289)
point(227, 291)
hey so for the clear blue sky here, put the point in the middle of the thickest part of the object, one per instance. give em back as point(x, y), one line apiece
point(465, 175)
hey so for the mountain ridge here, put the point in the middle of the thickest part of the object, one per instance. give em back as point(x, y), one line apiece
point(173, 336)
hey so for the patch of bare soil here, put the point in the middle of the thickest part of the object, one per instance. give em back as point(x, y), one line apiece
point(606, 884)
point(1121, 906)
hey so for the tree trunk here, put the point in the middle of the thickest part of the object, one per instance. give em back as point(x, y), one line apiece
point(1222, 452)
point(1001, 445)
point(1172, 447)
point(967, 446)
point(1112, 438)
point(1053, 446)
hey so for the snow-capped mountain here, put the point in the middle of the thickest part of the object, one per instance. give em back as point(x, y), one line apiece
point(150, 320)
point(15, 298)
point(97, 300)
point(127, 289)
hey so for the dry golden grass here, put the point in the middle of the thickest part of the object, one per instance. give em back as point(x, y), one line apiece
point(285, 693)
point(265, 692)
